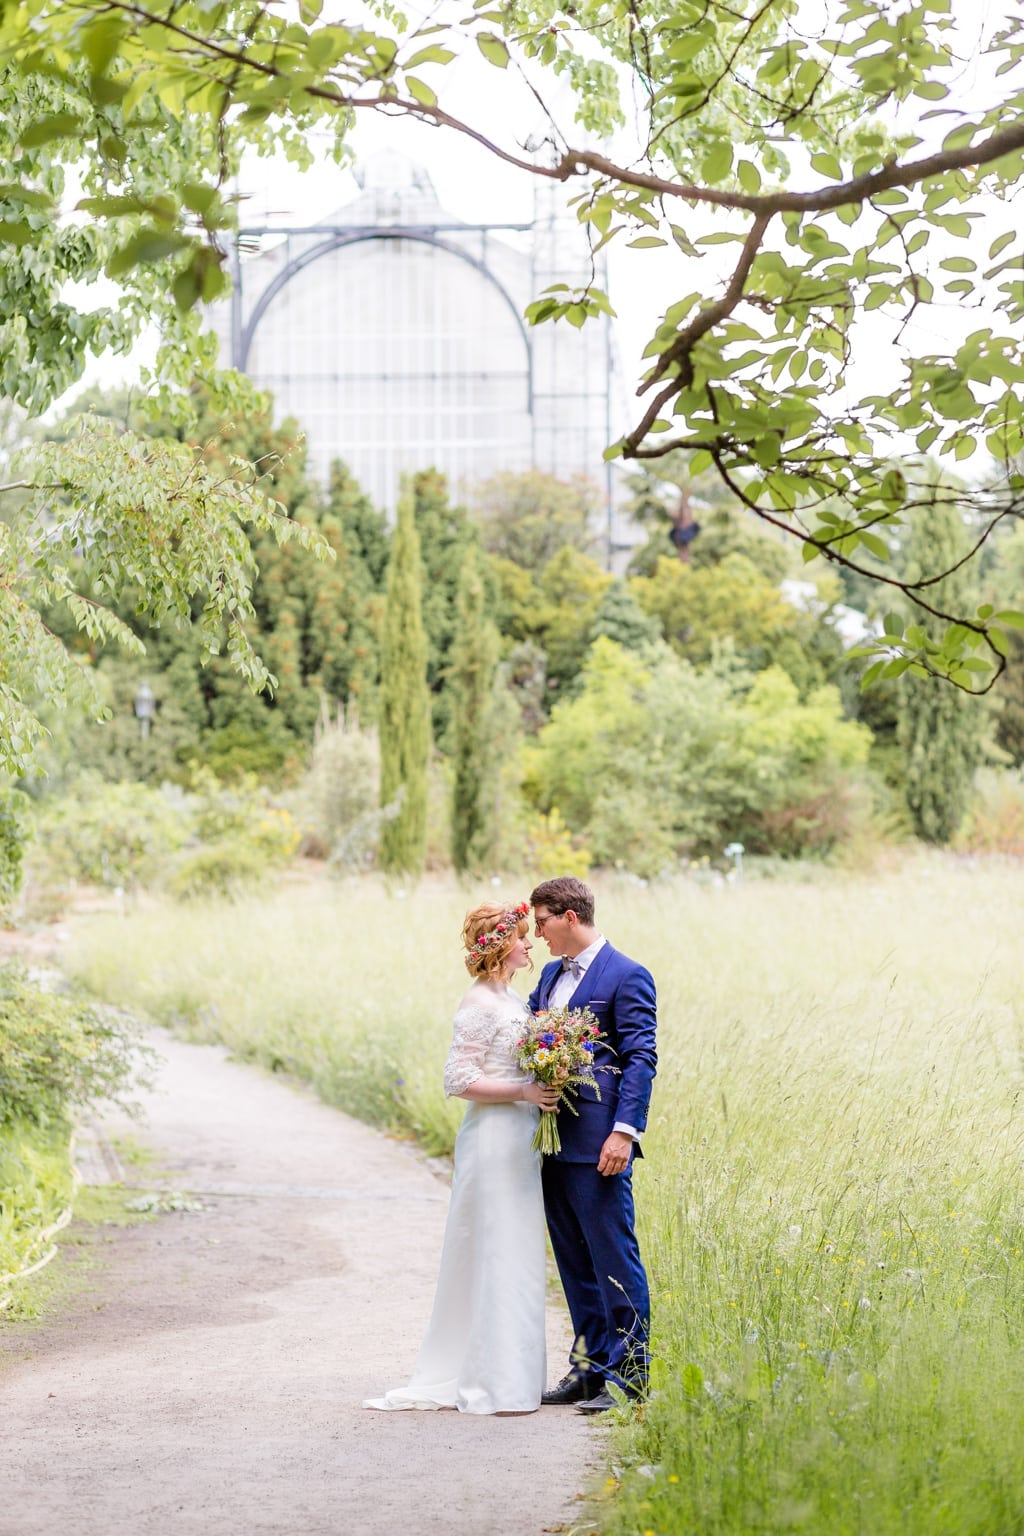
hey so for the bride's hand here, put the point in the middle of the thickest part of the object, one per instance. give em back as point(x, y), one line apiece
point(540, 1094)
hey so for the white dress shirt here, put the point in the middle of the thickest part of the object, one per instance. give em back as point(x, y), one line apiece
point(562, 992)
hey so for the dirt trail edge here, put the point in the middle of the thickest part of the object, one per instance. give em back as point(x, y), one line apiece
point(212, 1383)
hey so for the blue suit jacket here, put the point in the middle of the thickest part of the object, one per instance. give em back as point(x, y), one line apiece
point(620, 994)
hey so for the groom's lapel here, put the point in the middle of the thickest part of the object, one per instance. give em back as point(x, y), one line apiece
point(548, 976)
point(591, 979)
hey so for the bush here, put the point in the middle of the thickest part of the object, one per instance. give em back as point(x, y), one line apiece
point(656, 760)
point(218, 837)
point(13, 837)
point(995, 819)
point(110, 834)
point(242, 837)
point(56, 1052)
point(338, 801)
point(218, 869)
point(552, 850)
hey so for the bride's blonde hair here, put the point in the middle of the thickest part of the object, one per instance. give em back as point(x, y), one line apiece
point(490, 934)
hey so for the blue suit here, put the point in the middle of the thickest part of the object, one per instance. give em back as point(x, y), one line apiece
point(590, 1215)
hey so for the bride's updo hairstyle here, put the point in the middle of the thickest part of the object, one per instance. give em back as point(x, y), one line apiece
point(490, 934)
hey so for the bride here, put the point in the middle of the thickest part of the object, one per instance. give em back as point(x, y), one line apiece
point(483, 1351)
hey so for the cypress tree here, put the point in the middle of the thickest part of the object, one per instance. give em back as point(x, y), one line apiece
point(404, 702)
point(445, 534)
point(471, 676)
point(940, 725)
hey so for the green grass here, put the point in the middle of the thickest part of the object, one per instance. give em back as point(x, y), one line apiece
point(65, 1282)
point(36, 1185)
point(831, 1202)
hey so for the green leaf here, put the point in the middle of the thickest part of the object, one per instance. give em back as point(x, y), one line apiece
point(749, 177)
point(877, 546)
point(644, 242)
point(872, 674)
point(692, 1380)
point(18, 234)
point(421, 92)
point(100, 42)
point(10, 192)
point(148, 245)
point(435, 54)
point(57, 125)
point(827, 165)
point(717, 163)
point(1011, 616)
point(494, 49)
point(998, 246)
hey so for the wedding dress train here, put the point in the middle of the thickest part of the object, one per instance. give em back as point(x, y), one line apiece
point(483, 1351)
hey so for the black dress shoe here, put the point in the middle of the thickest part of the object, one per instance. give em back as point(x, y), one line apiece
point(604, 1400)
point(574, 1388)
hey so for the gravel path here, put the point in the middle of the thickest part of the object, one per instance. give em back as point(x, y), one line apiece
point(211, 1384)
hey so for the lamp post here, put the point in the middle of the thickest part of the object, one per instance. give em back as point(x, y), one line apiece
point(145, 707)
point(735, 851)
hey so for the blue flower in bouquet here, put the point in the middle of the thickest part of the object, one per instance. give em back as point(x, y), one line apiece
point(547, 1039)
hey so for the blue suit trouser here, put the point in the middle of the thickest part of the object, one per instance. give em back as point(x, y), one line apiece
point(591, 1222)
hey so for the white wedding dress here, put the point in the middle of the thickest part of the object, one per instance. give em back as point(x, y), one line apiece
point(483, 1351)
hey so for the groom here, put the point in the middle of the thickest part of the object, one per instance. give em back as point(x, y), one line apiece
point(588, 1186)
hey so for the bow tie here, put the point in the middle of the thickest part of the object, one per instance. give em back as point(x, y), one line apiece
point(573, 966)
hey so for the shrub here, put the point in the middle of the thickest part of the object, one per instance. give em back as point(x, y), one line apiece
point(13, 837)
point(995, 818)
point(338, 801)
point(242, 837)
point(218, 869)
point(655, 759)
point(56, 1052)
point(552, 850)
point(111, 834)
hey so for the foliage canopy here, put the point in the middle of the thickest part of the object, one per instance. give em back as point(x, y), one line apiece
point(843, 164)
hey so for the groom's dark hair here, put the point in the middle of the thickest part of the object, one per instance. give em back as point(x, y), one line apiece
point(565, 894)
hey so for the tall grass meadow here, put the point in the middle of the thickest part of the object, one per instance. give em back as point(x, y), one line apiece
point(831, 1200)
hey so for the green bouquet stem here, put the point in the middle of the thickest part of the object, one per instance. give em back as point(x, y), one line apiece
point(546, 1138)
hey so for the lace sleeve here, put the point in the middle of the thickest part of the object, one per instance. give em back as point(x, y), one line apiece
point(475, 1028)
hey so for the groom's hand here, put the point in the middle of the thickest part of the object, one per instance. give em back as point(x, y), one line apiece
point(615, 1154)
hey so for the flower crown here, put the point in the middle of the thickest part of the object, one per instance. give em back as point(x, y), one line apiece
point(501, 930)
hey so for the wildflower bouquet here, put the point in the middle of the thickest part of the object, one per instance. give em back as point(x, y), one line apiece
point(557, 1047)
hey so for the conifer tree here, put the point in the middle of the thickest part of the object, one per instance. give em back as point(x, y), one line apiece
point(474, 657)
point(620, 618)
point(445, 535)
point(347, 597)
point(404, 702)
point(940, 726)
